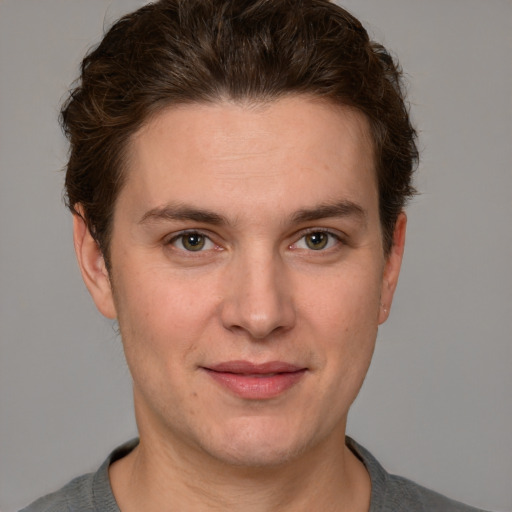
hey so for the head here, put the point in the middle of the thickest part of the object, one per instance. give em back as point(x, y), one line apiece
point(175, 52)
point(238, 172)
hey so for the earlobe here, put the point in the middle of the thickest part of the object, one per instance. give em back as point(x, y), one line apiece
point(392, 267)
point(92, 266)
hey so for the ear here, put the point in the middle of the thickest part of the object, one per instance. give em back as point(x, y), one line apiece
point(392, 267)
point(92, 266)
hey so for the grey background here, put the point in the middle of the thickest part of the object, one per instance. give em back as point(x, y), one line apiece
point(436, 405)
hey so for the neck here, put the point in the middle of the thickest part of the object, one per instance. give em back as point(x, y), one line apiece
point(158, 477)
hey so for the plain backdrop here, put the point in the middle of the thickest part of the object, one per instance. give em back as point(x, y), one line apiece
point(437, 403)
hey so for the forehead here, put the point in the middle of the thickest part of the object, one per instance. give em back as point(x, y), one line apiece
point(292, 148)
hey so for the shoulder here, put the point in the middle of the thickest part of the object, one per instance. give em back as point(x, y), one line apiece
point(76, 495)
point(391, 493)
point(403, 494)
point(87, 493)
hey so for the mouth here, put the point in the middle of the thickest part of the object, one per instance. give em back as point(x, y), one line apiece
point(256, 381)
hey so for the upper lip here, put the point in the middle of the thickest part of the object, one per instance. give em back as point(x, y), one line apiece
point(246, 367)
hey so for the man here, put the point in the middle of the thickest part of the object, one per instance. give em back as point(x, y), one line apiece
point(237, 176)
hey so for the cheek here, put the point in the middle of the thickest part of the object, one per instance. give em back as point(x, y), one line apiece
point(344, 302)
point(161, 315)
point(343, 318)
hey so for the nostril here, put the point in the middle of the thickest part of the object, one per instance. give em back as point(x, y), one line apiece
point(258, 300)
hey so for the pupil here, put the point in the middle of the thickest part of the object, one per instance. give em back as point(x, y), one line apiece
point(193, 242)
point(317, 240)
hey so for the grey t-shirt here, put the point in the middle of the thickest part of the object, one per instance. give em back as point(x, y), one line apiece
point(390, 493)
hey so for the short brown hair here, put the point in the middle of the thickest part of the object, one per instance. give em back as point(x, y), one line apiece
point(182, 51)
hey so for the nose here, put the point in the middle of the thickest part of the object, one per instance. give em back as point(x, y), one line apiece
point(259, 297)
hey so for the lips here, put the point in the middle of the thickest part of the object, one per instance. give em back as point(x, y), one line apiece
point(256, 381)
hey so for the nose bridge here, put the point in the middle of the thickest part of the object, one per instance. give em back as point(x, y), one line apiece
point(258, 298)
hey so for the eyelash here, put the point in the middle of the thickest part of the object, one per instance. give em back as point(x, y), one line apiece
point(332, 237)
point(181, 236)
point(334, 240)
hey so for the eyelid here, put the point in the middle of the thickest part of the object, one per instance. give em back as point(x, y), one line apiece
point(171, 239)
point(337, 235)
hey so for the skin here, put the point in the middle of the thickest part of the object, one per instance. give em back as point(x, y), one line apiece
point(257, 292)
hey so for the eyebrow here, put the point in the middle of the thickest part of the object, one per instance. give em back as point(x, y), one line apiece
point(342, 208)
point(180, 212)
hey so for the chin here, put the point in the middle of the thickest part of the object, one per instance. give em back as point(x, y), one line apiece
point(249, 455)
point(262, 445)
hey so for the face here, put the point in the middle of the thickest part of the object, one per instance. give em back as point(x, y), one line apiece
point(248, 275)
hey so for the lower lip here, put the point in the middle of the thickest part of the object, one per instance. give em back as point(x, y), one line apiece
point(257, 387)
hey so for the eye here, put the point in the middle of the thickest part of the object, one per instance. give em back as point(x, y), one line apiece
point(192, 242)
point(317, 241)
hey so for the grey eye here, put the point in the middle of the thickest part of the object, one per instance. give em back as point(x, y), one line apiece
point(192, 242)
point(317, 240)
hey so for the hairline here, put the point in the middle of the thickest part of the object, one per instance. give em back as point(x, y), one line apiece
point(254, 102)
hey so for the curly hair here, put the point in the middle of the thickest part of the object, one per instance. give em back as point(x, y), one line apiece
point(186, 51)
